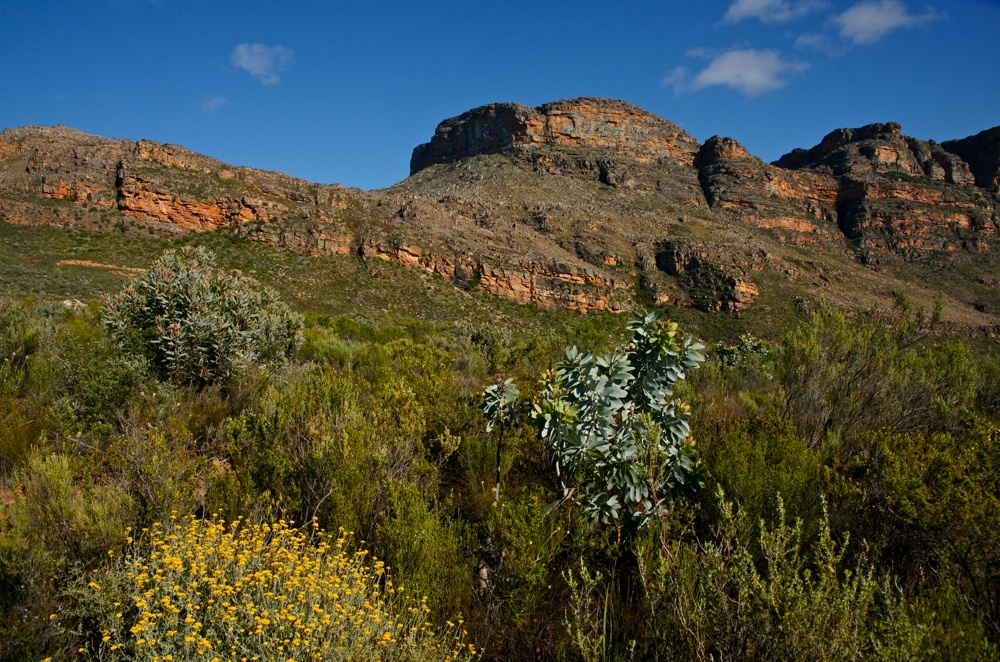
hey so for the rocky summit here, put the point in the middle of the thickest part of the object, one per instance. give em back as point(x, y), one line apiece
point(599, 128)
point(586, 204)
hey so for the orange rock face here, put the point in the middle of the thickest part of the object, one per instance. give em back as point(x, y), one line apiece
point(544, 286)
point(139, 199)
point(76, 191)
point(802, 205)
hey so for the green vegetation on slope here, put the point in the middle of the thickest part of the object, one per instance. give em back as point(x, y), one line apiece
point(850, 467)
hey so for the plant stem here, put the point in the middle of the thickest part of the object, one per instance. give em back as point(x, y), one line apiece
point(496, 491)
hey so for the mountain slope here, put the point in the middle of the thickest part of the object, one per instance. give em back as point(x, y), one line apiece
point(586, 204)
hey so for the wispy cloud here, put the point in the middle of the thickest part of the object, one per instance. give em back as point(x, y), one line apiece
point(771, 11)
point(209, 106)
point(262, 62)
point(676, 79)
point(867, 22)
point(811, 40)
point(748, 70)
point(822, 43)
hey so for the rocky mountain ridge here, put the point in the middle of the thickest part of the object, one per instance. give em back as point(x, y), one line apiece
point(587, 204)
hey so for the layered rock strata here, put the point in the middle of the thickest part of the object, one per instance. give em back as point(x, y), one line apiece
point(595, 125)
point(799, 206)
point(899, 193)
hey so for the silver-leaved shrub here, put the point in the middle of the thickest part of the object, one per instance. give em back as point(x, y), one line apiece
point(197, 324)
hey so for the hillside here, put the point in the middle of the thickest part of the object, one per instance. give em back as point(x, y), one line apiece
point(585, 204)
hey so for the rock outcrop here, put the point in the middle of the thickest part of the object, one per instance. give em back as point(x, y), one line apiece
point(878, 149)
point(598, 126)
point(711, 283)
point(982, 153)
point(589, 203)
point(799, 206)
point(899, 193)
point(164, 186)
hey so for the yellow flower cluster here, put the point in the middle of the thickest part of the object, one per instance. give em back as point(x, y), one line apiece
point(207, 590)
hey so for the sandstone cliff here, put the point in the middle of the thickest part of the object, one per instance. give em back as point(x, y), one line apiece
point(982, 153)
point(900, 193)
point(800, 206)
point(600, 127)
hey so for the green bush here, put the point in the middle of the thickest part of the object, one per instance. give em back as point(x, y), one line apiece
point(615, 426)
point(19, 335)
point(430, 553)
point(761, 456)
point(198, 324)
point(930, 505)
point(843, 376)
point(710, 599)
point(53, 529)
point(96, 382)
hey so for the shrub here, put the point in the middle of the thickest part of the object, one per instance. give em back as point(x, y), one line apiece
point(709, 599)
point(50, 529)
point(198, 324)
point(19, 337)
point(930, 504)
point(269, 591)
point(758, 457)
point(843, 376)
point(615, 427)
point(96, 383)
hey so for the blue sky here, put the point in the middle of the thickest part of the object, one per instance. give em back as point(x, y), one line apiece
point(341, 92)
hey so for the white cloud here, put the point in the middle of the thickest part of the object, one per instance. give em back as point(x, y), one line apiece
point(770, 11)
point(811, 40)
point(821, 43)
point(676, 78)
point(702, 53)
point(751, 71)
point(263, 62)
point(867, 22)
point(209, 106)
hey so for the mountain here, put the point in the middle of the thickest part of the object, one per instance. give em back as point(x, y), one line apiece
point(584, 204)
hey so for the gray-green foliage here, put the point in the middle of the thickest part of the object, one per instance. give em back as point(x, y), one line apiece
point(500, 404)
point(747, 351)
point(198, 324)
point(616, 429)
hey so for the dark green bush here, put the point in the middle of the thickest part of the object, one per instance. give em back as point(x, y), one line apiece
point(710, 599)
point(755, 459)
point(53, 529)
point(929, 504)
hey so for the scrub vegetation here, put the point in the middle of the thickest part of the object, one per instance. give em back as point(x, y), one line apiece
point(329, 487)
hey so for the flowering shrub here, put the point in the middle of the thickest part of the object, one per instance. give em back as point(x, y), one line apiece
point(199, 589)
